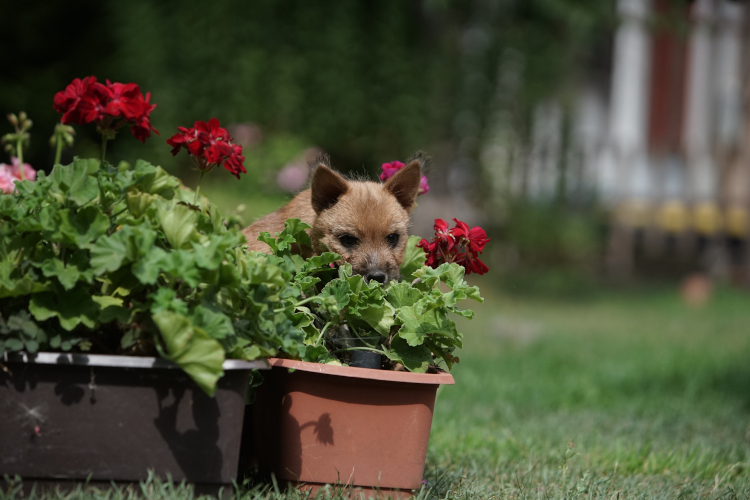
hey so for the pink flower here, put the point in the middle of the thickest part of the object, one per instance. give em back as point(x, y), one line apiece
point(390, 169)
point(15, 170)
point(7, 181)
point(293, 177)
point(10, 174)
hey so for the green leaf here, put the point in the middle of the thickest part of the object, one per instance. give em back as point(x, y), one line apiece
point(402, 294)
point(294, 233)
point(147, 269)
point(109, 253)
point(154, 180)
point(13, 344)
point(179, 224)
point(138, 203)
point(215, 323)
point(83, 226)
point(21, 321)
point(181, 264)
point(415, 359)
point(338, 289)
point(414, 257)
point(75, 181)
point(190, 347)
point(69, 274)
point(71, 308)
point(379, 317)
point(165, 299)
point(418, 322)
point(111, 308)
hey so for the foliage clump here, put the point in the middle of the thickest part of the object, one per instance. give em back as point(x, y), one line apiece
point(113, 260)
point(408, 321)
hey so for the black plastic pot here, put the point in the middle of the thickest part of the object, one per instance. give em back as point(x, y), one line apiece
point(366, 359)
point(73, 417)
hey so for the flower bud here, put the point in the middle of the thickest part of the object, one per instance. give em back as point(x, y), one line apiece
point(22, 117)
point(13, 119)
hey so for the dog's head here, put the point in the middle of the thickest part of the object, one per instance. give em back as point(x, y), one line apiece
point(365, 222)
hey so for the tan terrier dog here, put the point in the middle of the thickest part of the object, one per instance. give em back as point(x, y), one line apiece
point(363, 221)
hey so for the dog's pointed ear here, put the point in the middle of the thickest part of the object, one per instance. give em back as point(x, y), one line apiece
point(404, 184)
point(326, 188)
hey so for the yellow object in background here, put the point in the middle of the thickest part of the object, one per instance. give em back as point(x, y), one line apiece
point(633, 213)
point(673, 216)
point(737, 220)
point(707, 219)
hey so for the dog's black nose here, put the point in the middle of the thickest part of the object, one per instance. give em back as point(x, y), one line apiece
point(377, 276)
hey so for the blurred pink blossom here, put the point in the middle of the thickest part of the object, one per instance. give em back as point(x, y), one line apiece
point(9, 174)
point(7, 181)
point(15, 170)
point(293, 177)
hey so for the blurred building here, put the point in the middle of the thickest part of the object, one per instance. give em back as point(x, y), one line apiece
point(673, 164)
point(663, 143)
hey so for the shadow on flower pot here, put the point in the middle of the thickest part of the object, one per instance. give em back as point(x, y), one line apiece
point(195, 447)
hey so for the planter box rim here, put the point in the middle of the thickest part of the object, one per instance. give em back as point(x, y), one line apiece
point(365, 373)
point(66, 358)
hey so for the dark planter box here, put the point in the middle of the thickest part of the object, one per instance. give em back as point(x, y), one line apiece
point(361, 428)
point(73, 417)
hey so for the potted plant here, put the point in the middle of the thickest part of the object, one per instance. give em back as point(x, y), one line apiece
point(318, 421)
point(154, 309)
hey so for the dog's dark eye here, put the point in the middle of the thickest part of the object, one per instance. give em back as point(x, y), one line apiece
point(392, 239)
point(348, 240)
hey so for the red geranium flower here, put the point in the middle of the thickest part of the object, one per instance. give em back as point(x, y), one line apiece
point(110, 106)
point(67, 101)
point(460, 244)
point(209, 144)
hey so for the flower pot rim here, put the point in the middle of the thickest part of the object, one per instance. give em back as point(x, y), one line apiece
point(120, 361)
point(364, 373)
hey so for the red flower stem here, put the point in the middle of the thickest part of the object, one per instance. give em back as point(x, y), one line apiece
point(198, 188)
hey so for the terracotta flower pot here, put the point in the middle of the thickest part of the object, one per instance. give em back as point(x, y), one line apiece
point(322, 424)
point(69, 417)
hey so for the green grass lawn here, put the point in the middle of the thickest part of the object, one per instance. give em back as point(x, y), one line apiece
point(626, 394)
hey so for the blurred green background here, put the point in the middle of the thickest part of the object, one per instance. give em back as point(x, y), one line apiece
point(365, 82)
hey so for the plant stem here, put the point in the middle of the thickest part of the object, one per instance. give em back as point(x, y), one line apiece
point(19, 153)
point(104, 147)
point(198, 188)
point(322, 332)
point(359, 349)
point(58, 153)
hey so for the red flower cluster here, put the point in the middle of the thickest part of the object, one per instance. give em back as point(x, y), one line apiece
point(85, 101)
point(459, 244)
point(209, 145)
